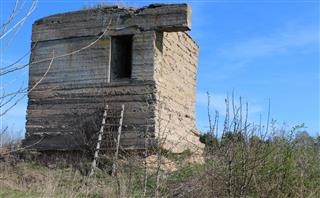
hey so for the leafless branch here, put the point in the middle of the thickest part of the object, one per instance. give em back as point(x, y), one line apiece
point(32, 88)
point(29, 12)
point(23, 148)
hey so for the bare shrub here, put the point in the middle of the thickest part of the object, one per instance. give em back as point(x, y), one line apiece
point(247, 160)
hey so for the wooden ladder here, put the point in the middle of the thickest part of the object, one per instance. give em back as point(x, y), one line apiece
point(104, 123)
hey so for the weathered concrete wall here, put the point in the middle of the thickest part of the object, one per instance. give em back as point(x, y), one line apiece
point(76, 87)
point(62, 112)
point(175, 75)
point(161, 88)
point(164, 17)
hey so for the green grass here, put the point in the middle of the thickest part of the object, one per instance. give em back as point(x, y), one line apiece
point(6, 192)
point(186, 172)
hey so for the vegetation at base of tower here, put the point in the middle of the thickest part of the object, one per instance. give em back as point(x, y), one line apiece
point(242, 160)
point(282, 163)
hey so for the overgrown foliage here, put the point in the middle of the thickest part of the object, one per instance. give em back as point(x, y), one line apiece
point(243, 160)
point(238, 165)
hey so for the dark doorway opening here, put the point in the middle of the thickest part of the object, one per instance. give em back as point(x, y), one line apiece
point(121, 56)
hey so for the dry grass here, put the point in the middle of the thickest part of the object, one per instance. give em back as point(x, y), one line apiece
point(29, 177)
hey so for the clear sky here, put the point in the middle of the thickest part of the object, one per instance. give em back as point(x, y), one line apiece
point(259, 49)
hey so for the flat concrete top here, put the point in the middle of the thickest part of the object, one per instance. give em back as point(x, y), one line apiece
point(94, 21)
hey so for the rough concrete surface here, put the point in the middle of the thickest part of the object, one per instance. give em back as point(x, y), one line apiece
point(159, 95)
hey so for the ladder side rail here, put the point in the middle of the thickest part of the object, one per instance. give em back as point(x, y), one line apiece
point(100, 133)
point(115, 163)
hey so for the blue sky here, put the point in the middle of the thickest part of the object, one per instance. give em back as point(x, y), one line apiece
point(259, 49)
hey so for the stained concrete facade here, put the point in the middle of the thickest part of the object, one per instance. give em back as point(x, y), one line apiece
point(158, 90)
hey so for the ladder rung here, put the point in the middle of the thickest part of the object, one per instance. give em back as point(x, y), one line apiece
point(113, 111)
point(111, 124)
point(114, 117)
point(104, 157)
point(115, 108)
